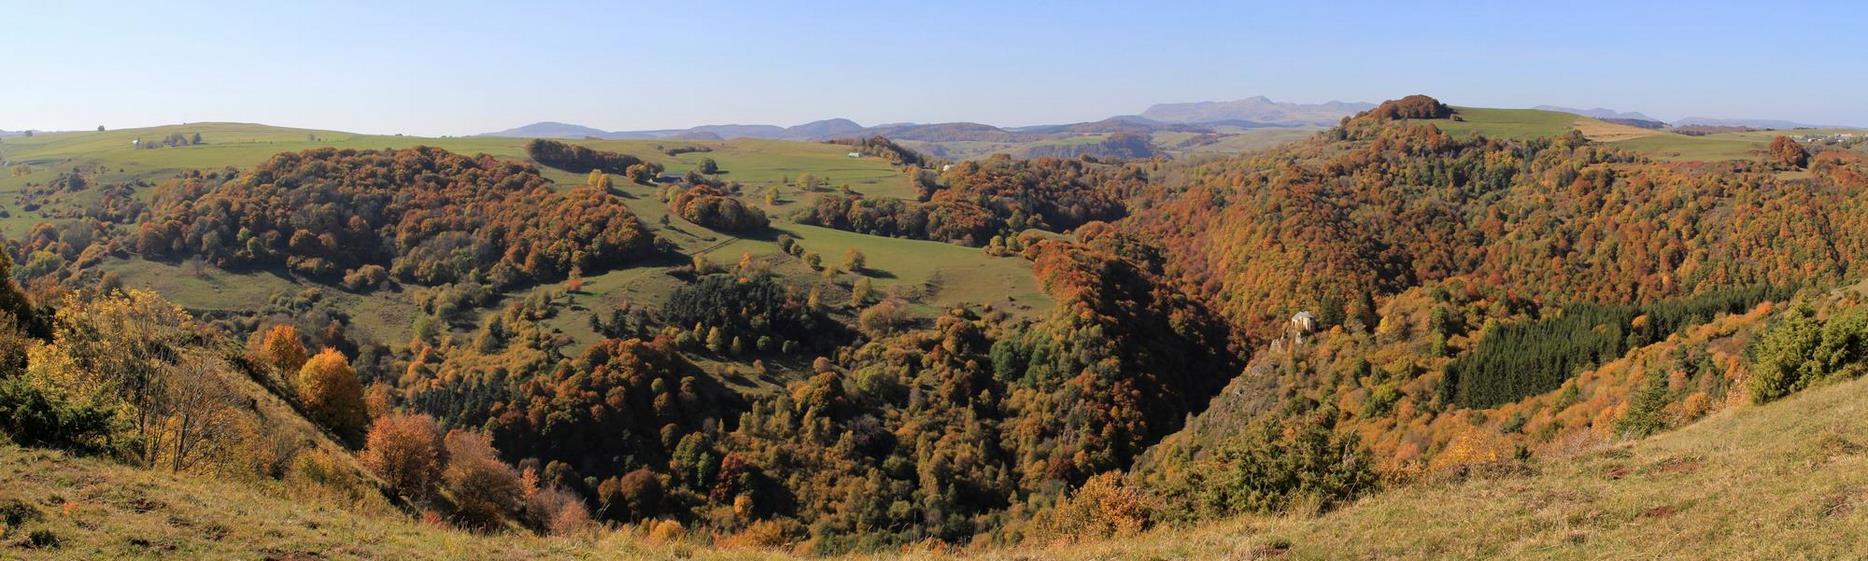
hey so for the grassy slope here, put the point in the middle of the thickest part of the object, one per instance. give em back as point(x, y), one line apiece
point(1662, 145)
point(1782, 481)
point(1785, 480)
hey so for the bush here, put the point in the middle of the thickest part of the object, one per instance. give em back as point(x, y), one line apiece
point(31, 417)
point(883, 318)
point(1102, 508)
point(366, 278)
point(555, 511)
point(1273, 467)
point(485, 490)
point(405, 451)
point(1799, 349)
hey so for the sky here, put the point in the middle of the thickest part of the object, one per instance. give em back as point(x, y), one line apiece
point(459, 68)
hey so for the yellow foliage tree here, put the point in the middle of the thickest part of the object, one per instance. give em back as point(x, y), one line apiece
point(281, 348)
point(598, 179)
point(332, 395)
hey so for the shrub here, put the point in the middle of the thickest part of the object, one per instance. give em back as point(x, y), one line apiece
point(31, 417)
point(405, 451)
point(1271, 467)
point(1102, 508)
point(557, 512)
point(1799, 349)
point(485, 490)
point(883, 318)
point(665, 532)
point(366, 278)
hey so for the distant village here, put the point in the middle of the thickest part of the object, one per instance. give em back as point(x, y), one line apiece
point(1843, 138)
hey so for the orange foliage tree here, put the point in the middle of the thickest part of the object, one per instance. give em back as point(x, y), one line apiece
point(281, 348)
point(405, 451)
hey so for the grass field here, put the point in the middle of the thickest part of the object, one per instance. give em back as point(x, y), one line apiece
point(1232, 143)
point(939, 275)
point(1657, 144)
point(383, 316)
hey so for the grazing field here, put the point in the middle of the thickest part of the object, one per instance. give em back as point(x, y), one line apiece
point(384, 316)
point(1505, 123)
point(1233, 142)
point(937, 276)
point(1657, 144)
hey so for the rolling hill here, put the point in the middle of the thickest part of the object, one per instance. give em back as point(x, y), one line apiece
point(1049, 358)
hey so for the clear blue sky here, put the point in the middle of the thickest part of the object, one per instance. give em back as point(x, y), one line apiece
point(470, 67)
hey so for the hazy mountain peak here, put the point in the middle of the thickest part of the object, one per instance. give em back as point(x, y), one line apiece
point(1256, 109)
point(1598, 113)
point(1747, 123)
point(549, 129)
point(823, 128)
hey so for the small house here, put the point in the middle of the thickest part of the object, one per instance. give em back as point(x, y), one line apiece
point(1304, 322)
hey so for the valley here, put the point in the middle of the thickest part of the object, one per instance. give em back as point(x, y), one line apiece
point(1403, 335)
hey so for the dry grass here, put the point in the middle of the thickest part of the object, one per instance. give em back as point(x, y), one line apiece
point(1787, 480)
point(1604, 131)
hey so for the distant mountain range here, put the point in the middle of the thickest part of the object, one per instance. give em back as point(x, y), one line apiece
point(1599, 113)
point(844, 128)
point(827, 128)
point(1255, 112)
point(1747, 123)
point(1197, 117)
point(1639, 119)
point(1259, 109)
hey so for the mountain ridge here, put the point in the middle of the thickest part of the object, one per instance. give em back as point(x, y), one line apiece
point(1256, 109)
point(1599, 113)
point(1197, 117)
